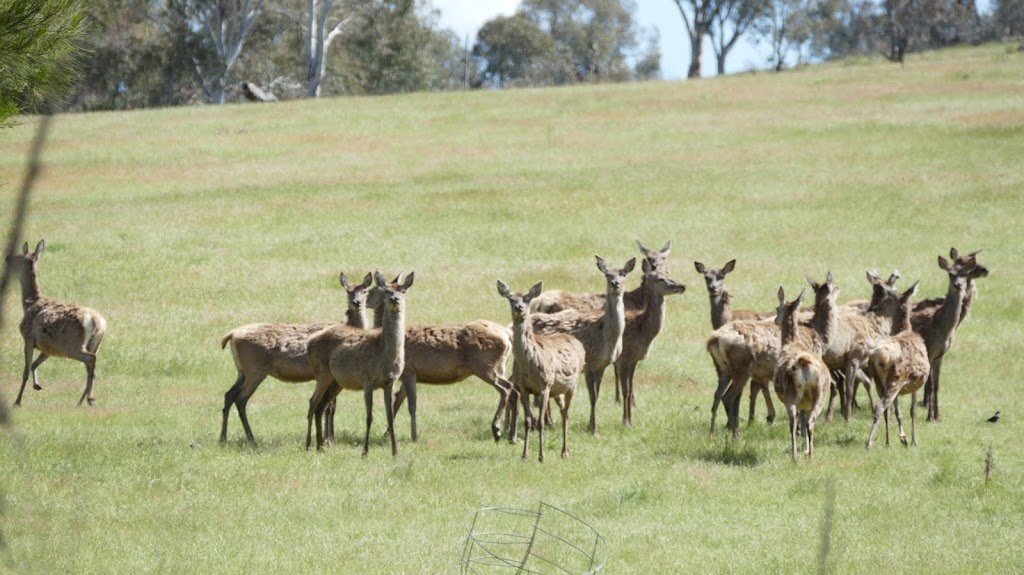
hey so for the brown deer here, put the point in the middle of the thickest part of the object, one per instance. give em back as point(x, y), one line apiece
point(722, 313)
point(900, 366)
point(600, 332)
point(55, 328)
point(450, 353)
point(937, 325)
point(801, 377)
point(344, 357)
point(545, 365)
point(554, 301)
point(279, 350)
point(641, 329)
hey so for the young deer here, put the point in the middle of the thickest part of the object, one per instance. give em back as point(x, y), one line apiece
point(801, 377)
point(938, 325)
point(344, 357)
point(446, 354)
point(722, 313)
point(279, 350)
point(600, 332)
point(641, 329)
point(545, 365)
point(55, 328)
point(900, 367)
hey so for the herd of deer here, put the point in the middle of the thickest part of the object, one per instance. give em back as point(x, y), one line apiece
point(808, 354)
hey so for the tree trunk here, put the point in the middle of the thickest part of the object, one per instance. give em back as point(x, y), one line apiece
point(696, 53)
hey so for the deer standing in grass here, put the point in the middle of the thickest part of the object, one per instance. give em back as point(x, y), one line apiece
point(641, 329)
point(545, 365)
point(446, 354)
point(721, 314)
point(937, 325)
point(600, 332)
point(925, 318)
point(55, 328)
point(900, 366)
point(344, 357)
point(279, 350)
point(801, 377)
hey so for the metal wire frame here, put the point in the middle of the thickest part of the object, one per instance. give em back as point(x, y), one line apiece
point(538, 549)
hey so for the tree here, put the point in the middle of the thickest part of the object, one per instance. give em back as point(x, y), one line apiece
point(1009, 17)
point(698, 26)
point(734, 18)
point(214, 34)
point(319, 40)
point(843, 28)
point(37, 46)
point(508, 45)
point(785, 25)
point(648, 63)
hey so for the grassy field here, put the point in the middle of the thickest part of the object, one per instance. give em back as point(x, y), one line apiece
point(180, 224)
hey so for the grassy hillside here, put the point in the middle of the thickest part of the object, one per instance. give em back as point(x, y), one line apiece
point(180, 224)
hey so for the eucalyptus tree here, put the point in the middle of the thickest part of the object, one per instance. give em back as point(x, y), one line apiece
point(698, 16)
point(508, 46)
point(734, 19)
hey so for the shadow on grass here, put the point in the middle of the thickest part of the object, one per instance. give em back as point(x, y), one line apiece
point(731, 454)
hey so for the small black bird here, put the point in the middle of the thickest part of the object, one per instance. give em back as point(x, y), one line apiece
point(994, 418)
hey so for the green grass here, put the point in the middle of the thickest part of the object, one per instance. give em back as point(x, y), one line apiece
point(180, 224)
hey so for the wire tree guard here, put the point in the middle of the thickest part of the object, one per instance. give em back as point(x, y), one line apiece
point(547, 540)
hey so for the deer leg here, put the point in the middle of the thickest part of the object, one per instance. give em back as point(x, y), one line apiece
point(35, 365)
point(723, 383)
point(732, 400)
point(899, 420)
point(89, 359)
point(593, 390)
point(755, 390)
point(409, 387)
point(626, 375)
point(770, 419)
point(332, 407)
point(563, 405)
point(913, 419)
point(618, 388)
point(524, 397)
point(544, 405)
point(503, 389)
point(29, 350)
point(229, 400)
point(791, 413)
point(886, 415)
point(880, 408)
point(809, 425)
point(322, 384)
point(933, 405)
point(368, 400)
point(389, 412)
point(241, 398)
point(512, 415)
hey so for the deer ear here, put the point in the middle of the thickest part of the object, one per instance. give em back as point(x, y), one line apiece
point(601, 265)
point(39, 248)
point(828, 279)
point(799, 298)
point(943, 263)
point(380, 279)
point(408, 281)
point(24, 249)
point(911, 292)
point(953, 253)
point(646, 266)
point(535, 290)
point(667, 248)
point(503, 289)
point(872, 278)
point(629, 266)
point(699, 267)
point(782, 296)
point(811, 282)
point(344, 281)
point(367, 281)
point(729, 266)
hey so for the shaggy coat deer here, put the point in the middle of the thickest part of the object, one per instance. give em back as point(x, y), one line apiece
point(554, 301)
point(641, 329)
point(545, 365)
point(344, 357)
point(722, 313)
point(600, 332)
point(801, 377)
point(446, 354)
point(931, 306)
point(279, 350)
point(899, 365)
point(938, 325)
point(55, 328)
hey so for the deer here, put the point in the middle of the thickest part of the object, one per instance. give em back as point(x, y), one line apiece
point(554, 301)
point(722, 313)
point(801, 377)
point(937, 325)
point(450, 353)
point(899, 365)
point(600, 332)
point(641, 329)
point(547, 365)
point(344, 357)
point(279, 350)
point(56, 328)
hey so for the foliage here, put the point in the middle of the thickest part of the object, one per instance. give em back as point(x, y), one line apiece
point(509, 46)
point(732, 21)
point(37, 46)
point(1009, 17)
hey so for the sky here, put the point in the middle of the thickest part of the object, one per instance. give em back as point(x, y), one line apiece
point(466, 17)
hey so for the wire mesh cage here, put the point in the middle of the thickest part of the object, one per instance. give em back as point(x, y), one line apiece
point(545, 540)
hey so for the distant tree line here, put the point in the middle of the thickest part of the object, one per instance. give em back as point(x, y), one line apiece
point(143, 53)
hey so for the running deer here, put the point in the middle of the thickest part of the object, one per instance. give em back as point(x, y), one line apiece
point(722, 313)
point(801, 377)
point(446, 354)
point(55, 328)
point(600, 332)
point(545, 365)
point(344, 357)
point(900, 367)
point(641, 329)
point(937, 325)
point(279, 350)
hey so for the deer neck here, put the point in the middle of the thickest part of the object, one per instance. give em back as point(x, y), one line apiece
point(357, 318)
point(653, 316)
point(972, 292)
point(30, 292)
point(826, 320)
point(393, 340)
point(522, 339)
point(614, 324)
point(949, 314)
point(378, 316)
point(721, 308)
point(788, 329)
